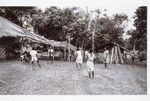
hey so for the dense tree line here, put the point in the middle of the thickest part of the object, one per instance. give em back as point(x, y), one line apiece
point(55, 23)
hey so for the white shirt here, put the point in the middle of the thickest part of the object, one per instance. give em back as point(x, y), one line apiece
point(90, 63)
point(90, 57)
point(50, 51)
point(79, 53)
point(33, 53)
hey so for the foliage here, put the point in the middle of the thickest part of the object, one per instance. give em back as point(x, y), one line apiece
point(139, 36)
point(15, 14)
point(55, 23)
point(109, 30)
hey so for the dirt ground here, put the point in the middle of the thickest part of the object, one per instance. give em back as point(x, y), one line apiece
point(63, 78)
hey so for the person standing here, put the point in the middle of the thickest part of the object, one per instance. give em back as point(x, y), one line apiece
point(51, 54)
point(79, 58)
point(34, 57)
point(106, 57)
point(90, 63)
point(132, 57)
point(25, 56)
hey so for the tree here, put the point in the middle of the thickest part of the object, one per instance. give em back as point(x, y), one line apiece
point(139, 36)
point(128, 43)
point(55, 24)
point(15, 14)
point(110, 30)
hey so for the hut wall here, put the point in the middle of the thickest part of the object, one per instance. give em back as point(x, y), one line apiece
point(2, 53)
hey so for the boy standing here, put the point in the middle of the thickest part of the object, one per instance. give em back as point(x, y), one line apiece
point(132, 57)
point(106, 57)
point(51, 54)
point(79, 58)
point(90, 63)
point(33, 54)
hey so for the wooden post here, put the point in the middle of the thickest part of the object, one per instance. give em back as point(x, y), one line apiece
point(69, 48)
point(93, 34)
point(120, 56)
point(83, 53)
point(64, 54)
point(116, 55)
point(93, 41)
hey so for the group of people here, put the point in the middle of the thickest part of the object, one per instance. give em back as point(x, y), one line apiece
point(89, 57)
point(89, 60)
point(32, 56)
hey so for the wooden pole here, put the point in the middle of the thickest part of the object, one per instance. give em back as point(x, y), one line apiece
point(69, 48)
point(134, 48)
point(64, 54)
point(120, 46)
point(120, 56)
point(112, 56)
point(93, 34)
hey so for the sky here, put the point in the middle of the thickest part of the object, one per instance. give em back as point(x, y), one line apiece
point(113, 6)
point(127, 7)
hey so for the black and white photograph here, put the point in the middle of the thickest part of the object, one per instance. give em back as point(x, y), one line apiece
point(71, 47)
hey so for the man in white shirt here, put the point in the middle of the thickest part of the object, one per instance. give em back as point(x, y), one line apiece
point(79, 58)
point(33, 54)
point(106, 57)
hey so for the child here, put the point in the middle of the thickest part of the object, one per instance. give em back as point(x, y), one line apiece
point(51, 54)
point(33, 54)
point(79, 58)
point(25, 56)
point(106, 57)
point(90, 63)
point(22, 57)
point(132, 57)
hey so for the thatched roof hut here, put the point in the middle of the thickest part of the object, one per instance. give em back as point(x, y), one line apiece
point(62, 44)
point(7, 28)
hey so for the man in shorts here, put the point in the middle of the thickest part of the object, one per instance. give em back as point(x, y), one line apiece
point(34, 57)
